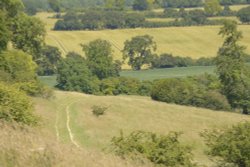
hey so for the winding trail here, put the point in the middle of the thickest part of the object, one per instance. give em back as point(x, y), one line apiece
point(68, 125)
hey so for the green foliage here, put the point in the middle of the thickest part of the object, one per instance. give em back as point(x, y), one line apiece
point(181, 3)
point(28, 35)
point(140, 5)
point(4, 32)
point(125, 85)
point(48, 61)
point(54, 5)
point(199, 91)
point(17, 66)
point(212, 7)
point(15, 106)
point(99, 110)
point(11, 7)
point(95, 20)
point(165, 150)
point(230, 146)
point(34, 88)
point(139, 50)
point(100, 60)
point(74, 75)
point(244, 15)
point(233, 72)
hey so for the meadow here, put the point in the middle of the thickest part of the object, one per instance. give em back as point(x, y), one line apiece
point(68, 116)
point(194, 42)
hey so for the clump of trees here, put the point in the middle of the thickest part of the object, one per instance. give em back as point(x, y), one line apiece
point(197, 91)
point(165, 150)
point(96, 20)
point(169, 61)
point(18, 66)
point(244, 15)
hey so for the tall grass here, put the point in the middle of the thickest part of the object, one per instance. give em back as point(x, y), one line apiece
point(22, 146)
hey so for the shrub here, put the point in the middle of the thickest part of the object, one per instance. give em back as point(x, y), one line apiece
point(99, 110)
point(165, 150)
point(34, 88)
point(230, 146)
point(15, 106)
point(194, 91)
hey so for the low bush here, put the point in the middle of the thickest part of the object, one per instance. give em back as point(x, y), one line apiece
point(15, 106)
point(99, 110)
point(230, 146)
point(163, 150)
point(125, 85)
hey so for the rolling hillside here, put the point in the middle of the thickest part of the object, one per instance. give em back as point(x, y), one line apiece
point(195, 42)
point(68, 116)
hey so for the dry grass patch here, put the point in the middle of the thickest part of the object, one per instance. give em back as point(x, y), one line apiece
point(130, 113)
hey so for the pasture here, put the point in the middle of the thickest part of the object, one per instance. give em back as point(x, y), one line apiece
point(68, 116)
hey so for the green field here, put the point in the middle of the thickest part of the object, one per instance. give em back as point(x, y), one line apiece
point(177, 72)
point(69, 114)
point(151, 74)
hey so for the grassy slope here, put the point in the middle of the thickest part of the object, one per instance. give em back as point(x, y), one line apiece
point(194, 42)
point(128, 113)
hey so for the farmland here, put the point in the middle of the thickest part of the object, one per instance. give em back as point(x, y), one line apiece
point(195, 42)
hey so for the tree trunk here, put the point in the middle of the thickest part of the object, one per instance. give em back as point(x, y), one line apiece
point(245, 110)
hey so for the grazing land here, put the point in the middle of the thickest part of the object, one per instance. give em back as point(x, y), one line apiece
point(70, 112)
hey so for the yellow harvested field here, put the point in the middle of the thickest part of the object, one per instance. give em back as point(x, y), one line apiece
point(195, 42)
point(160, 19)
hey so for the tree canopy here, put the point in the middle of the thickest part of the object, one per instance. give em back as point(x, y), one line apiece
point(139, 50)
point(100, 59)
point(233, 73)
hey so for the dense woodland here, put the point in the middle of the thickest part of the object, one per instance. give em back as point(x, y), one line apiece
point(24, 55)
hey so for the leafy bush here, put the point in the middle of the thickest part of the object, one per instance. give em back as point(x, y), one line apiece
point(99, 110)
point(15, 106)
point(165, 150)
point(230, 146)
point(195, 91)
point(125, 85)
point(18, 65)
point(34, 88)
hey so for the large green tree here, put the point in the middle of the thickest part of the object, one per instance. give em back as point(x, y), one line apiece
point(212, 7)
point(74, 75)
point(100, 60)
point(28, 35)
point(47, 64)
point(233, 72)
point(139, 50)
